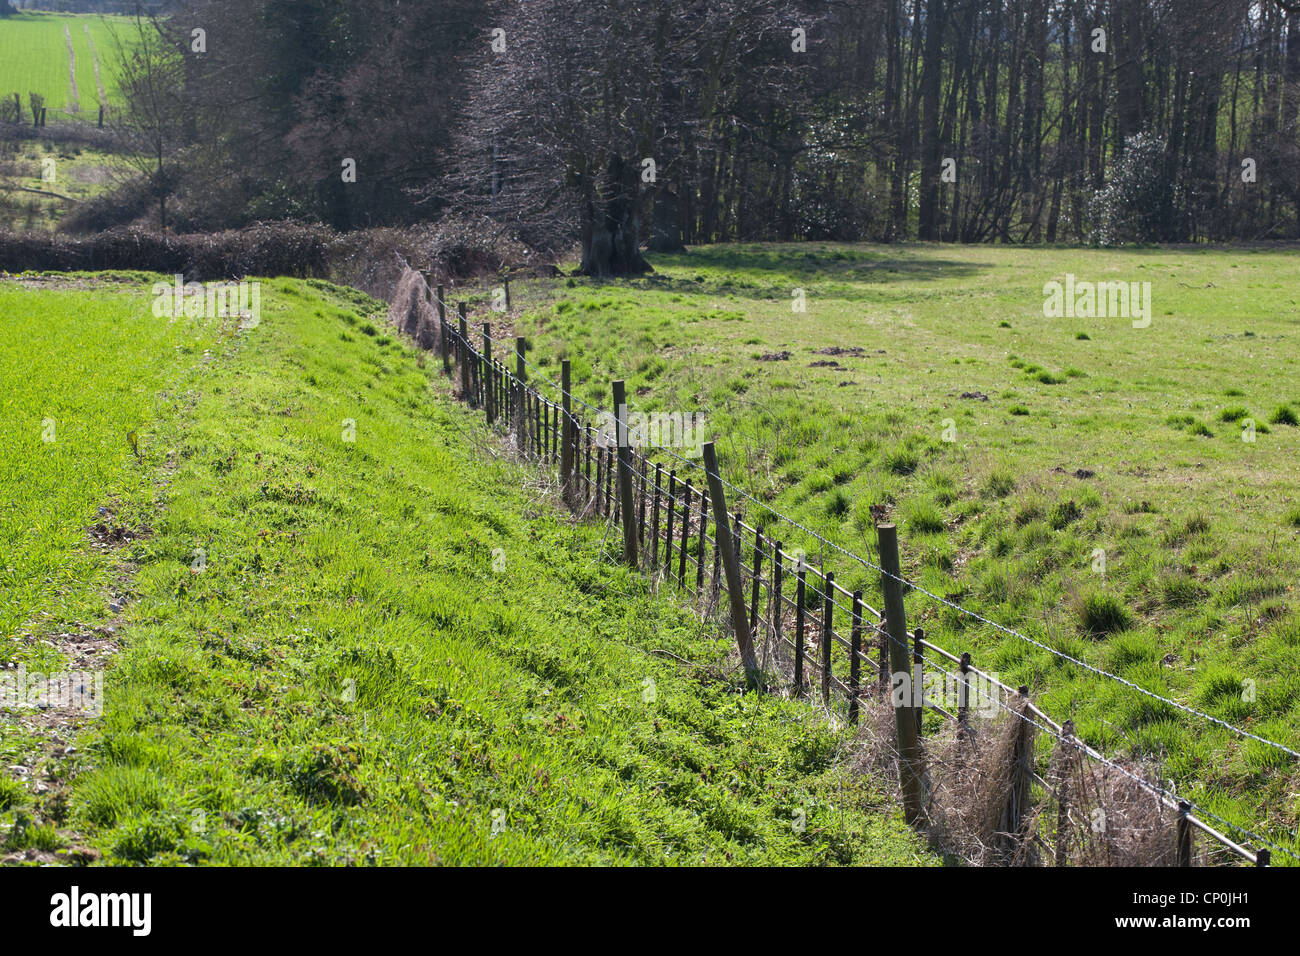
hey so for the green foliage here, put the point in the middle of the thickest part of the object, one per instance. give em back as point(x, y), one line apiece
point(1136, 203)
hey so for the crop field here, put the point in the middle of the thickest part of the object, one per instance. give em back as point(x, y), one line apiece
point(34, 58)
point(1125, 492)
point(336, 631)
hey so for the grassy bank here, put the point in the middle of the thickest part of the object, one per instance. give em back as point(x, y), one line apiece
point(349, 634)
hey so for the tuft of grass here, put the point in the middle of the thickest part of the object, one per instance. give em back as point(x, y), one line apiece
point(901, 461)
point(923, 517)
point(1234, 413)
point(1082, 337)
point(1100, 613)
point(12, 793)
point(1284, 415)
point(999, 484)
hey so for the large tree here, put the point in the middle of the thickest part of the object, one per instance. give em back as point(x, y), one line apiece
point(582, 112)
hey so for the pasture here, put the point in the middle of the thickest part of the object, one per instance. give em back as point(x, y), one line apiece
point(35, 58)
point(340, 633)
point(1126, 495)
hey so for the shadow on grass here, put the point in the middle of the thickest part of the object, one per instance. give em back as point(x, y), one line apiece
point(772, 271)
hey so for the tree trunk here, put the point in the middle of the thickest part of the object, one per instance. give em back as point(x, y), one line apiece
point(611, 227)
point(928, 221)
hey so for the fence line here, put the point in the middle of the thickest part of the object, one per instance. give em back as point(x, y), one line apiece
point(553, 433)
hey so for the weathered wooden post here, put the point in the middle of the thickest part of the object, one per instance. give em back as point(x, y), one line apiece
point(1184, 834)
point(654, 521)
point(686, 533)
point(444, 340)
point(1011, 821)
point(909, 753)
point(521, 376)
point(488, 398)
point(774, 598)
point(801, 581)
point(730, 564)
point(963, 697)
point(1064, 760)
point(918, 678)
point(668, 542)
point(828, 632)
point(755, 581)
point(855, 651)
point(463, 351)
point(626, 508)
point(700, 547)
point(567, 437)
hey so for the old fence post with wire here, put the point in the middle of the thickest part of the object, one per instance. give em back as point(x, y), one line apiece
point(910, 771)
point(731, 565)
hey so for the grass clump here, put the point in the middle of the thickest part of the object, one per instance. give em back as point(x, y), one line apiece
point(1284, 415)
point(1100, 614)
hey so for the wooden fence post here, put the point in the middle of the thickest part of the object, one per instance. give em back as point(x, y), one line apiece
point(963, 697)
point(488, 398)
point(654, 522)
point(626, 508)
point(918, 678)
point(444, 340)
point(686, 531)
point(1063, 761)
point(465, 394)
point(828, 632)
point(586, 481)
point(642, 499)
point(755, 581)
point(701, 550)
point(775, 597)
point(538, 441)
point(801, 577)
point(521, 377)
point(507, 285)
point(1012, 819)
point(668, 538)
point(731, 565)
point(566, 432)
point(1184, 834)
point(909, 754)
point(855, 651)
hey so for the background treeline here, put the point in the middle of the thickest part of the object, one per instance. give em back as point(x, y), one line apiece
point(1055, 132)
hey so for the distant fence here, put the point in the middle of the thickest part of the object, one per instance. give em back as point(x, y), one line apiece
point(977, 784)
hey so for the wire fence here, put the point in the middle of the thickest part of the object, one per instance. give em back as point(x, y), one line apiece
point(831, 645)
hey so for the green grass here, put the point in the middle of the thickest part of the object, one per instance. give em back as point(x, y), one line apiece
point(81, 370)
point(1109, 442)
point(79, 174)
point(34, 59)
point(396, 650)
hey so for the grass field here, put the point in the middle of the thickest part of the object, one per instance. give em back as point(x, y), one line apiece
point(78, 173)
point(391, 649)
point(34, 59)
point(1098, 493)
